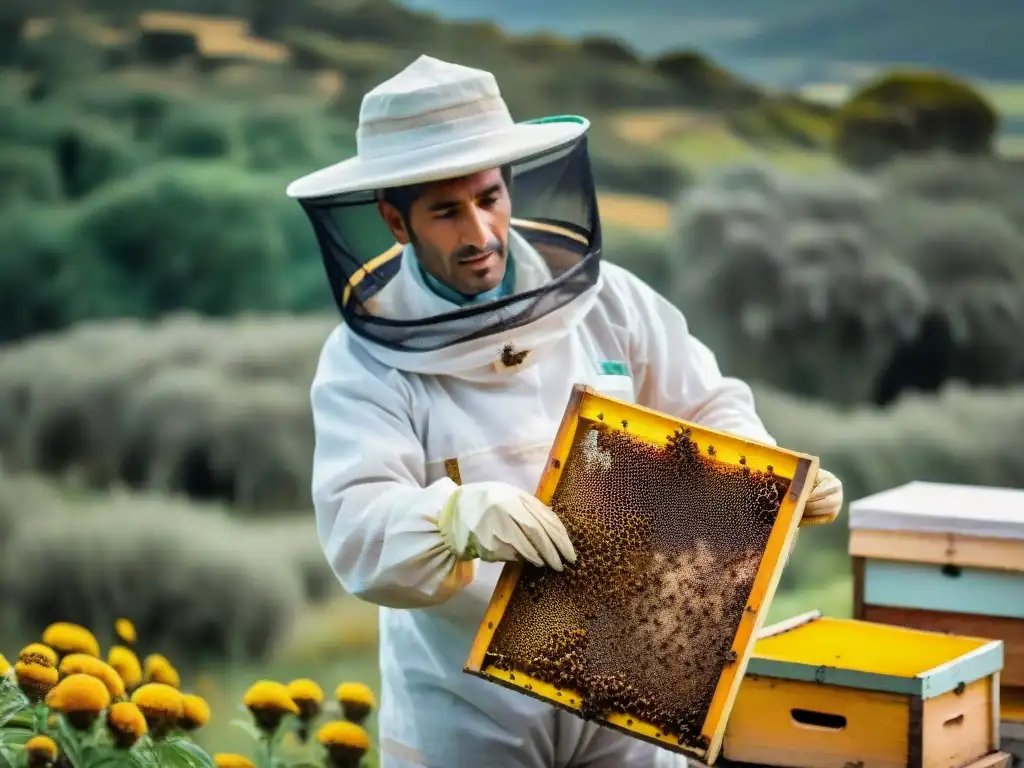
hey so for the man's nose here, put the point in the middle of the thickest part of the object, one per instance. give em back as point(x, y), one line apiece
point(475, 230)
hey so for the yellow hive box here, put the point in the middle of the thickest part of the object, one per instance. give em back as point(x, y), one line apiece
point(682, 533)
point(831, 693)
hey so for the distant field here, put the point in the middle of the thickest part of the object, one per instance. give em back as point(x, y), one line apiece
point(647, 214)
point(1008, 97)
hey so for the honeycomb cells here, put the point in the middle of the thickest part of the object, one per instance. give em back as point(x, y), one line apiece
point(668, 540)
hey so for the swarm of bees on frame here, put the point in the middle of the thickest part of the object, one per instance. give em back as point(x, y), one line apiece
point(669, 541)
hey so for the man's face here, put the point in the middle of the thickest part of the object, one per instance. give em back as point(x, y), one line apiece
point(459, 229)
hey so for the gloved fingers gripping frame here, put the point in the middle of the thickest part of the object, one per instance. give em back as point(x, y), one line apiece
point(554, 208)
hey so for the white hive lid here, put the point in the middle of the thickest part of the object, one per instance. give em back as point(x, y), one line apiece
point(922, 507)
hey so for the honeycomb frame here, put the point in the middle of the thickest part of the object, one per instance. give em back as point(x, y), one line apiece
point(587, 409)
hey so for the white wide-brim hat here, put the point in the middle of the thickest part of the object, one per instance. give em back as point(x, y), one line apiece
point(435, 120)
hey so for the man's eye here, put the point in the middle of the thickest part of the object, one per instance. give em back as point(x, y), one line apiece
point(487, 202)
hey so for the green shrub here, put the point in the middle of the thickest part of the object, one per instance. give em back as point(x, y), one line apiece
point(812, 286)
point(190, 237)
point(38, 270)
point(198, 586)
point(196, 133)
point(911, 113)
point(27, 174)
point(213, 410)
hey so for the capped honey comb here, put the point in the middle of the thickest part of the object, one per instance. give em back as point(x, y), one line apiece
point(680, 535)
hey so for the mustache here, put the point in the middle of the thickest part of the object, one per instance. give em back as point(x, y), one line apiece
point(469, 251)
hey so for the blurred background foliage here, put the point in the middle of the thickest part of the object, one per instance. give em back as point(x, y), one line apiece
point(860, 260)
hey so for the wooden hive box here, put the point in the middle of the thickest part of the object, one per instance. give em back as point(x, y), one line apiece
point(948, 558)
point(682, 533)
point(834, 693)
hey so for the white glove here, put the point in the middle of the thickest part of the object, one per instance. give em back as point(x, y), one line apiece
point(498, 522)
point(825, 501)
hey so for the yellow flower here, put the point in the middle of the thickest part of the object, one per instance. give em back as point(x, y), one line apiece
point(67, 638)
point(357, 701)
point(231, 760)
point(269, 702)
point(345, 742)
point(161, 704)
point(79, 663)
point(126, 724)
point(125, 630)
point(126, 663)
point(80, 698)
point(308, 697)
point(157, 669)
point(35, 680)
point(41, 752)
point(195, 712)
point(37, 653)
point(5, 665)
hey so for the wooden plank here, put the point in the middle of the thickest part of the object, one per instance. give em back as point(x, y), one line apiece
point(992, 760)
point(787, 624)
point(957, 727)
point(944, 588)
point(939, 548)
point(1010, 631)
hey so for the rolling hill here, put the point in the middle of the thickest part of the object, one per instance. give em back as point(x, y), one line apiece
point(785, 42)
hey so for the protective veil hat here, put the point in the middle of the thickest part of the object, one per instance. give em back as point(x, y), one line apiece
point(433, 120)
point(436, 121)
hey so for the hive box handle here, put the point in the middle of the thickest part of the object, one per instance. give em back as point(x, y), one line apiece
point(814, 719)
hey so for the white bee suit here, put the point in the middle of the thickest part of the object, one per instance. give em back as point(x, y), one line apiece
point(383, 434)
point(411, 380)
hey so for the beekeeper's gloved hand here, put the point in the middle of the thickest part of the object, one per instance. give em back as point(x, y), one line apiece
point(498, 522)
point(825, 501)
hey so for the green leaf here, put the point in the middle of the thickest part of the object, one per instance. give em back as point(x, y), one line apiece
point(16, 736)
point(9, 755)
point(195, 755)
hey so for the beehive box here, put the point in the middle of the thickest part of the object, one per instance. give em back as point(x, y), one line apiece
point(832, 693)
point(681, 535)
point(948, 558)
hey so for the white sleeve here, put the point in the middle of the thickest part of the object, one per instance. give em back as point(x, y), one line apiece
point(375, 518)
point(678, 375)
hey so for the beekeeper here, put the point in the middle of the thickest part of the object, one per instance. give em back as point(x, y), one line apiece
point(464, 252)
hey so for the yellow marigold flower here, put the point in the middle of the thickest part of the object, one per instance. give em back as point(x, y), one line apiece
point(346, 743)
point(126, 724)
point(66, 638)
point(37, 653)
point(357, 701)
point(195, 712)
point(269, 702)
point(41, 752)
point(231, 760)
point(157, 669)
point(5, 665)
point(79, 663)
point(125, 630)
point(127, 665)
point(80, 698)
point(35, 680)
point(161, 704)
point(308, 697)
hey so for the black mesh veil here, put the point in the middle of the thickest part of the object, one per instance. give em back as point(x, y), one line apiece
point(554, 208)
